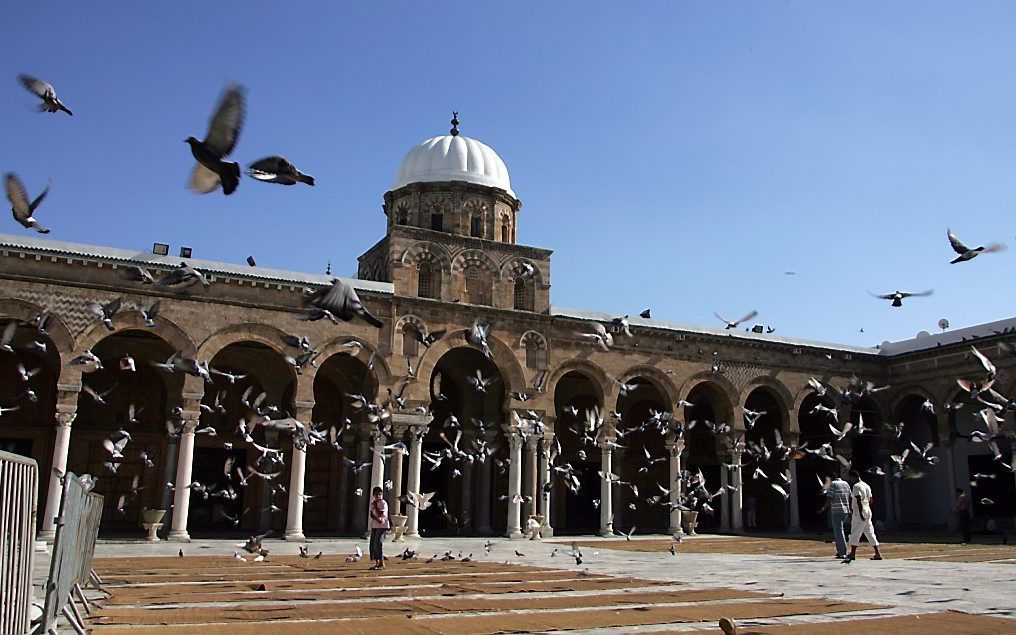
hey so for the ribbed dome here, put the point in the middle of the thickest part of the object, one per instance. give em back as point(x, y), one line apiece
point(453, 158)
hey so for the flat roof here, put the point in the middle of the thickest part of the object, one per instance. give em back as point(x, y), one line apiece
point(32, 244)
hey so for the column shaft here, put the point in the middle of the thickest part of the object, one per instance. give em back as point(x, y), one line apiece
point(724, 506)
point(184, 464)
point(395, 505)
point(675, 448)
point(737, 496)
point(514, 486)
point(294, 514)
point(606, 492)
point(544, 489)
point(531, 478)
point(61, 447)
point(795, 506)
point(413, 484)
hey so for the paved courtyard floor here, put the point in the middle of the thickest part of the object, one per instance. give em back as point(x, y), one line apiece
point(769, 585)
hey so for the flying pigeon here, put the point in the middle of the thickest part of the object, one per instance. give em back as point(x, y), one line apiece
point(897, 296)
point(340, 301)
point(45, 92)
point(223, 131)
point(278, 170)
point(737, 323)
point(966, 253)
point(20, 206)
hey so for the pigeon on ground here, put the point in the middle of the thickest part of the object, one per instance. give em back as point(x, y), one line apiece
point(966, 253)
point(737, 323)
point(223, 131)
point(45, 92)
point(20, 206)
point(340, 301)
point(897, 296)
point(278, 170)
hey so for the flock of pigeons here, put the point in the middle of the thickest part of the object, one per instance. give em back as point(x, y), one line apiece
point(212, 171)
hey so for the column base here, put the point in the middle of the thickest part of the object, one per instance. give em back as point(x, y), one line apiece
point(296, 536)
point(793, 530)
point(516, 535)
point(48, 536)
point(606, 533)
point(547, 531)
point(414, 534)
point(178, 536)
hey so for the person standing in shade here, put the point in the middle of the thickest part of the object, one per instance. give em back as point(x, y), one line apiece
point(962, 507)
point(378, 527)
point(838, 504)
point(860, 517)
point(749, 511)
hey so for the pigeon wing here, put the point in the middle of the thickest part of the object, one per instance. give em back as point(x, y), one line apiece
point(18, 197)
point(36, 86)
point(227, 121)
point(956, 243)
point(203, 180)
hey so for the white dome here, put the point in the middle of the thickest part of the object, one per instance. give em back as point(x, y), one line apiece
point(453, 158)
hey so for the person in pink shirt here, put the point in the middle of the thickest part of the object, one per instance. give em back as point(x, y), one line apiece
point(378, 527)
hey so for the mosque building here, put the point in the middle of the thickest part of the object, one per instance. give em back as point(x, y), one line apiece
point(448, 258)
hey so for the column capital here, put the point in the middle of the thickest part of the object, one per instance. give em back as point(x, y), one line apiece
point(606, 443)
point(65, 415)
point(676, 446)
point(410, 419)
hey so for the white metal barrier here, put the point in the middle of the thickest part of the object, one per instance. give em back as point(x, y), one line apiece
point(77, 528)
point(19, 489)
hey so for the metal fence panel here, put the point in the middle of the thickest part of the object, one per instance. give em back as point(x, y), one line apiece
point(76, 530)
point(19, 478)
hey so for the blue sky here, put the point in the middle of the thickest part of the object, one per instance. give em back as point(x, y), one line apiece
point(678, 155)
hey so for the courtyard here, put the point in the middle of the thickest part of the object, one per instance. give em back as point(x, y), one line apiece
point(768, 585)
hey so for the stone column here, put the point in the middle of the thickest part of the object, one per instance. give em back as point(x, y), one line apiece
point(724, 507)
point(395, 502)
point(514, 484)
point(546, 444)
point(606, 489)
point(297, 476)
point(531, 477)
point(795, 507)
point(413, 484)
point(294, 513)
point(65, 414)
point(184, 463)
point(377, 473)
point(675, 447)
point(737, 496)
point(168, 471)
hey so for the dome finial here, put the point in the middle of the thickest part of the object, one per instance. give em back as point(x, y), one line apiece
point(455, 123)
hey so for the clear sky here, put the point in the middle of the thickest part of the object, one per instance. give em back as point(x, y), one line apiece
point(675, 155)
